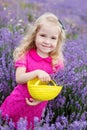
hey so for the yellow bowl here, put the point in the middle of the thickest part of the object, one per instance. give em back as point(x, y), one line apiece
point(43, 91)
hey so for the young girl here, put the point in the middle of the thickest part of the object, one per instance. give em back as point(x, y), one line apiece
point(39, 55)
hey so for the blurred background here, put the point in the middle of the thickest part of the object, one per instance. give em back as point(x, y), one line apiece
point(69, 110)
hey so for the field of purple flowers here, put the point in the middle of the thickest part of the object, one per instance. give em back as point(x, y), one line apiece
point(69, 110)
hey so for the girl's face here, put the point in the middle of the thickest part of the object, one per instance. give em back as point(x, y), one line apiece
point(46, 39)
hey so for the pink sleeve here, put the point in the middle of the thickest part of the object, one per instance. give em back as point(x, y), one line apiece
point(59, 66)
point(21, 62)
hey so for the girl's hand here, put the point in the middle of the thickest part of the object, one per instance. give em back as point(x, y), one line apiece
point(22, 76)
point(32, 102)
point(43, 76)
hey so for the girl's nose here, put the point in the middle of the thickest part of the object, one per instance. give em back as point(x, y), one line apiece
point(47, 41)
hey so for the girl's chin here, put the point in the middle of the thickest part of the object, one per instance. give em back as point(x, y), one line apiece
point(46, 49)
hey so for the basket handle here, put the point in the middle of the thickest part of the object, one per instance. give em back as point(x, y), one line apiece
point(52, 82)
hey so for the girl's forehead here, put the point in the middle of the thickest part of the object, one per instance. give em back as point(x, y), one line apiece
point(50, 23)
point(49, 26)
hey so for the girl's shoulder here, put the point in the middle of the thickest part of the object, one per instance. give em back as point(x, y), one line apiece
point(30, 52)
point(59, 65)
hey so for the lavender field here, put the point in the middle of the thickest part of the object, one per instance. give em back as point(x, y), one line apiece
point(69, 110)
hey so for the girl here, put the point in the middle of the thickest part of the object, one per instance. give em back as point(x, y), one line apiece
point(39, 55)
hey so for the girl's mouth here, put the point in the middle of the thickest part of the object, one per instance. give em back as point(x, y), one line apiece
point(47, 46)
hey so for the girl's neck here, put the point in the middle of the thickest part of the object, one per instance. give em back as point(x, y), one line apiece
point(43, 55)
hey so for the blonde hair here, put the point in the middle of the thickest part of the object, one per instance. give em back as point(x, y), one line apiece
point(28, 41)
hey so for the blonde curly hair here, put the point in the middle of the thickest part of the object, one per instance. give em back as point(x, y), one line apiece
point(28, 41)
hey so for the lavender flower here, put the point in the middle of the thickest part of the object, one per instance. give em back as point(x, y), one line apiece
point(68, 110)
point(22, 124)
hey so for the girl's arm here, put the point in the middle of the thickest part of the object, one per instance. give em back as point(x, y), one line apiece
point(22, 76)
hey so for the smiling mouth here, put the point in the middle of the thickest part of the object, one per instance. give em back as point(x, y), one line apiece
point(46, 46)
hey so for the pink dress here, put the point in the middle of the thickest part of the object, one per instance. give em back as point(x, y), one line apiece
point(15, 105)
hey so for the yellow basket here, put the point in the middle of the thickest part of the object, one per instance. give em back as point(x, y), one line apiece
point(43, 91)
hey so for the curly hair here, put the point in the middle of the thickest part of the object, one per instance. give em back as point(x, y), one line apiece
point(28, 41)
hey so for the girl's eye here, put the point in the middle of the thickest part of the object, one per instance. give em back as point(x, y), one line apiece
point(54, 38)
point(42, 35)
